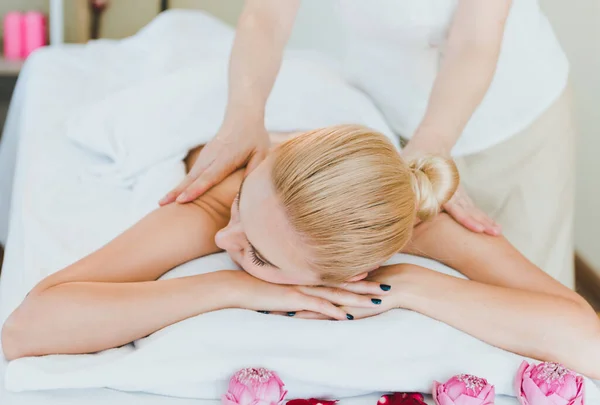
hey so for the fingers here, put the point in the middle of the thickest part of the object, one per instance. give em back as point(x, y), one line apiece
point(491, 227)
point(204, 161)
point(212, 175)
point(461, 216)
point(365, 287)
point(361, 313)
point(290, 314)
point(300, 314)
point(473, 219)
point(325, 307)
point(311, 315)
point(464, 211)
point(341, 297)
point(173, 194)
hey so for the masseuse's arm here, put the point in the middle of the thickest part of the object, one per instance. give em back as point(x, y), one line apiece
point(467, 67)
point(468, 64)
point(262, 33)
point(508, 301)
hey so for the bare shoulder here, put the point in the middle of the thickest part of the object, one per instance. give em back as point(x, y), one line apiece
point(219, 198)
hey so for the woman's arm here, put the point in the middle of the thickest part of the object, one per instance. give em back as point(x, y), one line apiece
point(508, 302)
point(109, 298)
point(469, 61)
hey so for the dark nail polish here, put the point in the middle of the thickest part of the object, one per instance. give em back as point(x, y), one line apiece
point(350, 317)
point(385, 287)
point(291, 313)
point(264, 312)
point(376, 301)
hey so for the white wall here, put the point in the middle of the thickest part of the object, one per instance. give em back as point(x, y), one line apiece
point(577, 24)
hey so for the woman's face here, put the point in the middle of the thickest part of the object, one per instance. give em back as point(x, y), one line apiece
point(259, 237)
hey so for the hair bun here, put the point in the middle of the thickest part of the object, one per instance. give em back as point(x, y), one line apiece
point(434, 181)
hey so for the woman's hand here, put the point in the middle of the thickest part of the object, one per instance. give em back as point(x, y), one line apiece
point(329, 302)
point(228, 151)
point(388, 276)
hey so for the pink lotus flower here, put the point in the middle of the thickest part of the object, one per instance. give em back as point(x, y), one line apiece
point(548, 384)
point(464, 389)
point(402, 398)
point(254, 386)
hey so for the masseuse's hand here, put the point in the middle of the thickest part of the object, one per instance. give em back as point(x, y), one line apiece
point(252, 293)
point(230, 149)
point(463, 210)
point(460, 206)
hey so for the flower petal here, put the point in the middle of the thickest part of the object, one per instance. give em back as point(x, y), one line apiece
point(434, 391)
point(443, 399)
point(485, 392)
point(404, 398)
point(282, 396)
point(236, 388)
point(555, 399)
point(264, 402)
point(412, 401)
point(569, 389)
point(533, 394)
point(490, 397)
point(246, 397)
point(519, 378)
point(455, 389)
point(416, 395)
point(228, 399)
point(298, 402)
point(323, 401)
point(577, 401)
point(467, 400)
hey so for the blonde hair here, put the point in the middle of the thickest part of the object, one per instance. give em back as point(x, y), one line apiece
point(353, 199)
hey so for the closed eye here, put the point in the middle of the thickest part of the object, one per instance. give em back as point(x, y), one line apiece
point(256, 257)
point(257, 261)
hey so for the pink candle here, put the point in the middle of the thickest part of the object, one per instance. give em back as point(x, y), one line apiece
point(13, 35)
point(35, 32)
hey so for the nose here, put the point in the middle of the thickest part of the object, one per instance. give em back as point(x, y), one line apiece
point(231, 238)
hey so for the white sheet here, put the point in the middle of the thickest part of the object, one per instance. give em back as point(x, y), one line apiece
point(49, 230)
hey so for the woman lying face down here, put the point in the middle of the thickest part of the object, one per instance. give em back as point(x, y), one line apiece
point(330, 206)
point(312, 227)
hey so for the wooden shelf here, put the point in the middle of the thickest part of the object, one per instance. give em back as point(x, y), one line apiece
point(9, 68)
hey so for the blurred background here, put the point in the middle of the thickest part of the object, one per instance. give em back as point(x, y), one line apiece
point(576, 22)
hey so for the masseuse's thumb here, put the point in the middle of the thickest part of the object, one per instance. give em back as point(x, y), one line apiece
point(255, 160)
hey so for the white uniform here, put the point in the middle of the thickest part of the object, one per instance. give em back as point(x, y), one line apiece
point(393, 52)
